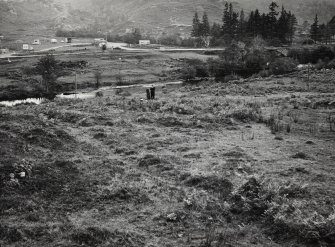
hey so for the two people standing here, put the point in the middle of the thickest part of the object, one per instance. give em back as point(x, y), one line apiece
point(151, 93)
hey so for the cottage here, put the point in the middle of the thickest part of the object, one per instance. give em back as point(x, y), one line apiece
point(36, 42)
point(99, 40)
point(25, 47)
point(144, 42)
point(54, 41)
point(4, 51)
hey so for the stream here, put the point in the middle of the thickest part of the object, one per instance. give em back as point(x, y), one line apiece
point(85, 95)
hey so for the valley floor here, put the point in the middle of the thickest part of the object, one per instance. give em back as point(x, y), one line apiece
point(246, 163)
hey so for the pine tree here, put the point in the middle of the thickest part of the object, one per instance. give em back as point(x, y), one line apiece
point(226, 20)
point(251, 24)
point(234, 25)
point(257, 23)
point(205, 27)
point(196, 26)
point(283, 26)
point(264, 26)
point(204, 31)
point(216, 30)
point(272, 19)
point(241, 26)
point(293, 22)
point(230, 23)
point(315, 29)
point(325, 33)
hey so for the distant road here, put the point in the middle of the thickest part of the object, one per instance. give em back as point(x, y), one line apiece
point(122, 46)
point(16, 55)
point(69, 45)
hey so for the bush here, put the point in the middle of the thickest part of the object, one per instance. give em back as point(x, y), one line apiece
point(188, 72)
point(331, 64)
point(195, 68)
point(305, 56)
point(255, 62)
point(282, 66)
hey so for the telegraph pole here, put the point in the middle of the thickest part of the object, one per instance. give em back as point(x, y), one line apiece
point(308, 75)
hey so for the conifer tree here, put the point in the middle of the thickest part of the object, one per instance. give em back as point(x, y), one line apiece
point(230, 23)
point(315, 32)
point(251, 24)
point(226, 20)
point(196, 26)
point(216, 30)
point(257, 23)
point(283, 25)
point(205, 27)
point(272, 19)
point(292, 24)
point(241, 25)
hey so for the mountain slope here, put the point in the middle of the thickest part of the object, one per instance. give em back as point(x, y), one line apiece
point(154, 16)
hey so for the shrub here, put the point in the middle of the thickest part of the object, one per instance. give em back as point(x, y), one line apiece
point(188, 72)
point(331, 64)
point(305, 56)
point(282, 66)
point(194, 68)
point(255, 62)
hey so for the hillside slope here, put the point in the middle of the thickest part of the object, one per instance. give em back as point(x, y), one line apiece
point(155, 16)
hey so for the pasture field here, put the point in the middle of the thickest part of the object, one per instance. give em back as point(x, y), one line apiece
point(244, 163)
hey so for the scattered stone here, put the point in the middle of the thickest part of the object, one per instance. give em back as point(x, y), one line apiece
point(100, 136)
point(300, 155)
point(192, 156)
point(171, 217)
point(302, 170)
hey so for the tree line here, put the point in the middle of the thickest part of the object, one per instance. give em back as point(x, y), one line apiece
point(276, 27)
point(322, 33)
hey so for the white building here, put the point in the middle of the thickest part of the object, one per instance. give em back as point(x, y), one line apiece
point(25, 47)
point(53, 41)
point(144, 42)
point(4, 51)
point(99, 40)
point(36, 42)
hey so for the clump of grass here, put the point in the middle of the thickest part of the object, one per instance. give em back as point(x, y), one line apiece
point(283, 208)
point(247, 113)
point(300, 155)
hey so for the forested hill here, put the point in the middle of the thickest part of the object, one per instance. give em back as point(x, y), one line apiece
point(151, 15)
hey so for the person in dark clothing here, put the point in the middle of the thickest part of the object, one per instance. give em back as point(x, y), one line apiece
point(148, 94)
point(152, 92)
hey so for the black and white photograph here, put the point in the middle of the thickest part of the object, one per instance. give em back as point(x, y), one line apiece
point(167, 123)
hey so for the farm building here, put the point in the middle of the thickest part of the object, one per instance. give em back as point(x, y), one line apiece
point(36, 42)
point(53, 41)
point(144, 42)
point(25, 47)
point(4, 51)
point(99, 40)
point(68, 40)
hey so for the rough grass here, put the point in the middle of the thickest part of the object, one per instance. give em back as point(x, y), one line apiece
point(192, 168)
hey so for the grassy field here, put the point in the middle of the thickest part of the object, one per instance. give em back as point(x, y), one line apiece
point(245, 163)
point(117, 67)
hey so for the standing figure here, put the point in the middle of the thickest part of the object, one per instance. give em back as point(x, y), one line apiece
point(148, 94)
point(152, 92)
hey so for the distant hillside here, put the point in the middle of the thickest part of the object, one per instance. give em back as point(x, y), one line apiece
point(154, 16)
